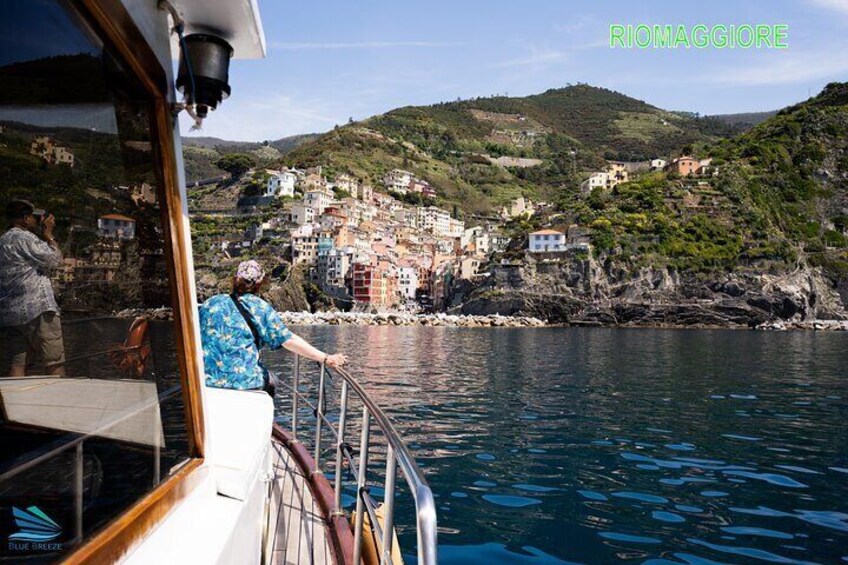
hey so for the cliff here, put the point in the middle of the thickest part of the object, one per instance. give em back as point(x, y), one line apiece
point(583, 290)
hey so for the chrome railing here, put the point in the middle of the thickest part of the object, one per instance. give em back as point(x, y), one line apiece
point(397, 456)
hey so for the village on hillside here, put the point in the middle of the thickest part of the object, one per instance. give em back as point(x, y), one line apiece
point(392, 248)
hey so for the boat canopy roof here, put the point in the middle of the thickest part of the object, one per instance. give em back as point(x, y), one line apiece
point(236, 21)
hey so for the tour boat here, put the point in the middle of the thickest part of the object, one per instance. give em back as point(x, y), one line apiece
point(129, 457)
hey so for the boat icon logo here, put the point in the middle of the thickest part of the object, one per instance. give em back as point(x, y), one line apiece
point(34, 525)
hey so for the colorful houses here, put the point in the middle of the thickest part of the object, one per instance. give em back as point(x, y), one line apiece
point(368, 247)
point(616, 173)
point(43, 146)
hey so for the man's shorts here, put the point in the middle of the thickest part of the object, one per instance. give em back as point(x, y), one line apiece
point(41, 336)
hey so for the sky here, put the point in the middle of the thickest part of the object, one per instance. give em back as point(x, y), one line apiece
point(332, 60)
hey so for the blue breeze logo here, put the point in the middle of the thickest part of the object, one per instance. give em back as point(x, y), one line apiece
point(34, 525)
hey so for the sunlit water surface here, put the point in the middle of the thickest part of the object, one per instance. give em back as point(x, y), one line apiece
point(548, 446)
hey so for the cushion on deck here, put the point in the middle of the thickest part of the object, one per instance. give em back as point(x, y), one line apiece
point(240, 439)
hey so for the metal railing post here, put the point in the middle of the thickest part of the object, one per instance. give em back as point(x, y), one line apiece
point(340, 447)
point(295, 386)
point(157, 449)
point(389, 506)
point(360, 486)
point(426, 522)
point(319, 411)
point(78, 473)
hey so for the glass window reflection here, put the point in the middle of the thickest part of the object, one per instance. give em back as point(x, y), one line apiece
point(91, 408)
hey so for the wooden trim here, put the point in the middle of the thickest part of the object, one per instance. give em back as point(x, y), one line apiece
point(174, 229)
point(338, 527)
point(121, 535)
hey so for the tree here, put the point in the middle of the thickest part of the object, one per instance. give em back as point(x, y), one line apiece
point(235, 163)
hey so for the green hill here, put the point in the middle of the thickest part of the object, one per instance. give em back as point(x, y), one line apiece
point(201, 153)
point(745, 120)
point(789, 177)
point(569, 130)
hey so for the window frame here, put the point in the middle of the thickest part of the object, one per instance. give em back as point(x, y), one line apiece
point(113, 25)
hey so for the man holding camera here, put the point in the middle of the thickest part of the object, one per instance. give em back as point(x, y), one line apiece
point(29, 314)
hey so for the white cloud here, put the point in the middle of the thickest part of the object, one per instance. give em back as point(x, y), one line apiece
point(360, 45)
point(781, 68)
point(538, 59)
point(838, 5)
point(270, 117)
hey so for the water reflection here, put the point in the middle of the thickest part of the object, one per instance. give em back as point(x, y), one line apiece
point(650, 446)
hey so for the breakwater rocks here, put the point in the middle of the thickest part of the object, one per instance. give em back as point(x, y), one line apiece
point(815, 325)
point(163, 313)
point(405, 319)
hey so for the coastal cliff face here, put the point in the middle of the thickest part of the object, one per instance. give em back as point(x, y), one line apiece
point(588, 291)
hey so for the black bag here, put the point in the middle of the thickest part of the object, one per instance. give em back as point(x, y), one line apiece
point(269, 384)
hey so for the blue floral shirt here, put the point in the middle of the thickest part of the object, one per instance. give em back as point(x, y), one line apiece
point(230, 356)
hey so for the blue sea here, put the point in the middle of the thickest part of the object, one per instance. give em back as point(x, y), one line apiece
point(593, 445)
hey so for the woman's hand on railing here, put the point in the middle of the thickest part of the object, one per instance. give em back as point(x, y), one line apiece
point(336, 361)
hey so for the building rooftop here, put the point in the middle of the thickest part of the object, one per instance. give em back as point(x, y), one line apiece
point(116, 217)
point(547, 232)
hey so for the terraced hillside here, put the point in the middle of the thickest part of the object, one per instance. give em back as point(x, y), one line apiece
point(453, 145)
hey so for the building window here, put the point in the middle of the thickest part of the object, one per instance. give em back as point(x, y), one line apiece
point(81, 449)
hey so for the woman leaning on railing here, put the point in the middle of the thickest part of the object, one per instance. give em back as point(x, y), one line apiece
point(235, 327)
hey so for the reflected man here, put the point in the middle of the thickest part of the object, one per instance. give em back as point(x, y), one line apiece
point(29, 314)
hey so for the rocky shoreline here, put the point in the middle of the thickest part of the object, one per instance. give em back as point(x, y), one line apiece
point(487, 321)
point(366, 319)
point(406, 319)
point(807, 325)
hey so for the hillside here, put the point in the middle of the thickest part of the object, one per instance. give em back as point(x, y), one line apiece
point(790, 177)
point(745, 120)
point(569, 130)
point(201, 153)
point(763, 239)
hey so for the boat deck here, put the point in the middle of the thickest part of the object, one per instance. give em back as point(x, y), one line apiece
point(299, 534)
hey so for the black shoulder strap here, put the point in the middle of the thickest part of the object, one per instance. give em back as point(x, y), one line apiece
point(247, 318)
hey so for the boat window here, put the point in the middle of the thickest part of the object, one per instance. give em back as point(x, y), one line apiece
point(92, 415)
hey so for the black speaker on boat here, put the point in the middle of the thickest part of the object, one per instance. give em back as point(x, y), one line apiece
point(204, 71)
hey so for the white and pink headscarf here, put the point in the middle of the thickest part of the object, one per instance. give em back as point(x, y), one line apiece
point(250, 271)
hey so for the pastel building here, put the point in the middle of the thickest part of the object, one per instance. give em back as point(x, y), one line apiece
point(281, 183)
point(407, 282)
point(116, 226)
point(373, 285)
point(398, 181)
point(319, 199)
point(302, 214)
point(304, 242)
point(438, 222)
point(546, 241)
point(684, 165)
point(332, 269)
